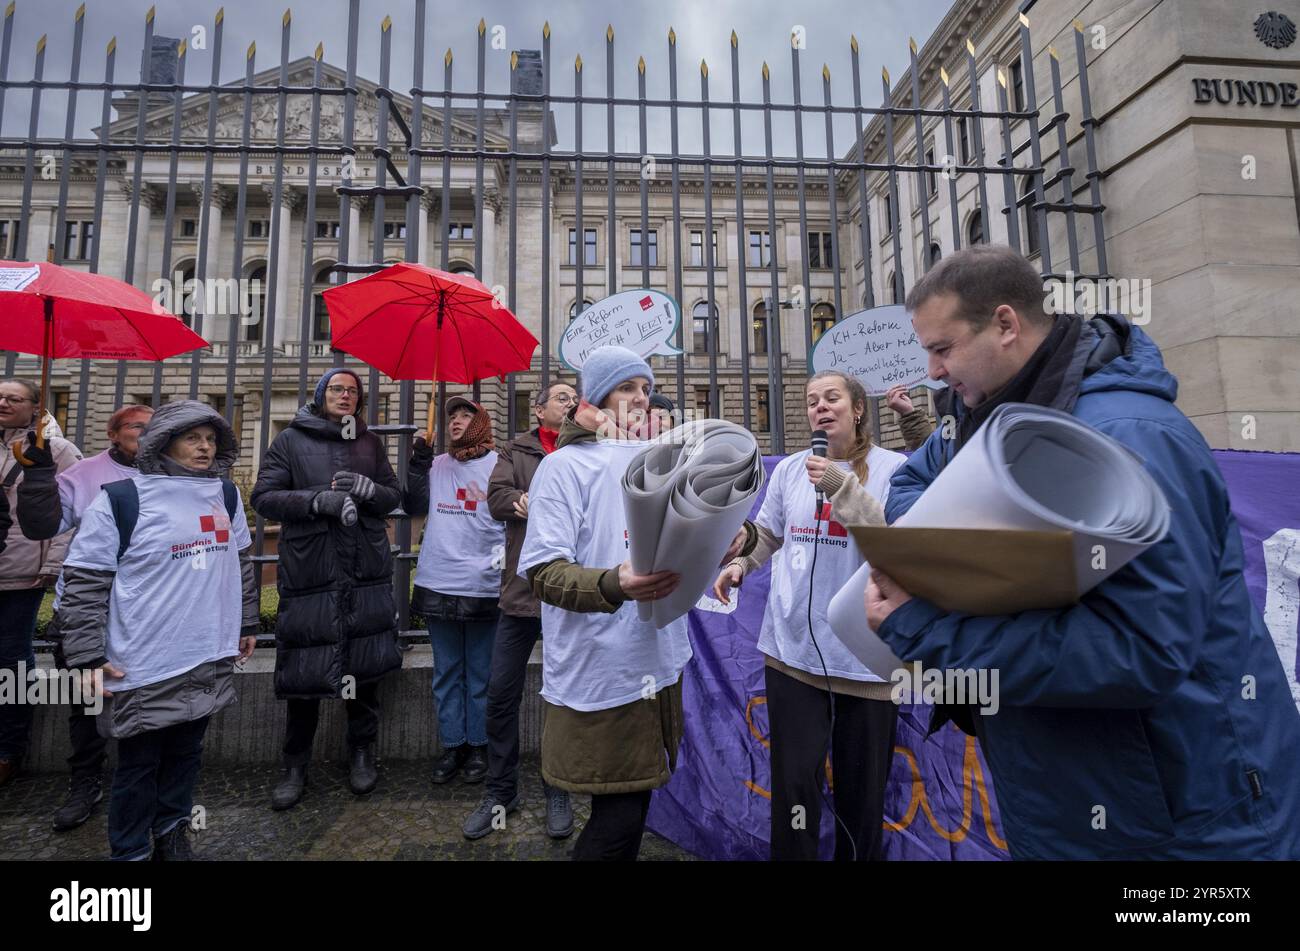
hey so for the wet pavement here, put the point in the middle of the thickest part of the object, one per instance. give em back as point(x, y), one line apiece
point(406, 817)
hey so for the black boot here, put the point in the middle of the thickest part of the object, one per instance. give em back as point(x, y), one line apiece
point(174, 846)
point(288, 791)
point(363, 775)
point(476, 765)
point(83, 793)
point(448, 764)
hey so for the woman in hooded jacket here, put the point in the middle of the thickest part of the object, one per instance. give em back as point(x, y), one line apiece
point(158, 601)
point(327, 480)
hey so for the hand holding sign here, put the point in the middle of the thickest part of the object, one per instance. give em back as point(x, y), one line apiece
point(643, 321)
point(878, 347)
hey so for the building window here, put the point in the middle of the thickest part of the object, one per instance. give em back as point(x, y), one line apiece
point(1031, 220)
point(935, 254)
point(58, 407)
point(963, 139)
point(760, 249)
point(326, 277)
point(327, 229)
point(975, 228)
point(257, 228)
point(1017, 85)
point(762, 411)
point(704, 325)
point(588, 246)
point(651, 248)
point(702, 408)
point(931, 177)
point(78, 240)
point(256, 319)
point(574, 310)
point(819, 249)
point(891, 293)
point(697, 249)
point(823, 319)
point(189, 227)
point(191, 296)
point(394, 229)
point(887, 215)
point(461, 231)
point(523, 411)
point(760, 328)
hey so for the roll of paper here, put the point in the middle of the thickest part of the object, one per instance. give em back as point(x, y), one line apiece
point(686, 495)
point(1029, 468)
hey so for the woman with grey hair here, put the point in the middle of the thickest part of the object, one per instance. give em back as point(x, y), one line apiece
point(159, 600)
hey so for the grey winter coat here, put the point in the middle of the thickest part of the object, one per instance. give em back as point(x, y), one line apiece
point(83, 612)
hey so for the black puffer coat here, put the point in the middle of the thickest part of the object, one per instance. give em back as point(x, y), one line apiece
point(337, 615)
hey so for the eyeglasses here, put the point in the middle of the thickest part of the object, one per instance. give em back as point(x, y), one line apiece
point(341, 390)
point(18, 400)
point(564, 399)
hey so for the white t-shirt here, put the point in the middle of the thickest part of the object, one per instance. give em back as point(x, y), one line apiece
point(79, 485)
point(575, 511)
point(463, 550)
point(177, 598)
point(789, 512)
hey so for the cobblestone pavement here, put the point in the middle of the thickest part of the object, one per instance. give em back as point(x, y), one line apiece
point(406, 817)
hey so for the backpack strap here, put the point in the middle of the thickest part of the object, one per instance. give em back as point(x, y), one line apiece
point(230, 492)
point(124, 500)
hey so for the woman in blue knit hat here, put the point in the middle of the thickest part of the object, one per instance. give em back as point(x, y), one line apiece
point(611, 682)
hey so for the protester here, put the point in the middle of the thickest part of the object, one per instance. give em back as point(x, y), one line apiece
point(458, 582)
point(520, 624)
point(818, 693)
point(27, 567)
point(327, 480)
point(913, 422)
point(1151, 720)
point(161, 601)
point(46, 507)
point(611, 682)
point(661, 414)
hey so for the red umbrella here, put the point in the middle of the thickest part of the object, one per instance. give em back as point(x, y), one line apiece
point(418, 323)
point(53, 311)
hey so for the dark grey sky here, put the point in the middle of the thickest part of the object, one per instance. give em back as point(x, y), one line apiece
point(703, 29)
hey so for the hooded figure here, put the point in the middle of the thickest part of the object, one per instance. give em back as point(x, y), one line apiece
point(159, 596)
point(327, 480)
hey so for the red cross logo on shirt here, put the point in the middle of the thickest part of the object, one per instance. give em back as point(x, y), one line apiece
point(470, 505)
point(833, 528)
point(219, 524)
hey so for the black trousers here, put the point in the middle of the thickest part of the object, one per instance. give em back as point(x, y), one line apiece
point(513, 645)
point(613, 833)
point(304, 714)
point(89, 749)
point(862, 749)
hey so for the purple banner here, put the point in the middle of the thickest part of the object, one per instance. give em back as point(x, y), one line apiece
point(940, 802)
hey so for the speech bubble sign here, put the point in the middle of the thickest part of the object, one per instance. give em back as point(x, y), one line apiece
point(877, 346)
point(641, 320)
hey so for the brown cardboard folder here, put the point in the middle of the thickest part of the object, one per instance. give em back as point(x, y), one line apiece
point(975, 570)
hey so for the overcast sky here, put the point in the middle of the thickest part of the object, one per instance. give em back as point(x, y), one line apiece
point(703, 29)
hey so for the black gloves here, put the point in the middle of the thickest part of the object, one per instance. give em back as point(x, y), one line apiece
point(421, 454)
point(360, 487)
point(38, 462)
point(338, 505)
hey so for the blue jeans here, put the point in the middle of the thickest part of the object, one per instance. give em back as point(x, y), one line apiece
point(153, 786)
point(17, 626)
point(462, 663)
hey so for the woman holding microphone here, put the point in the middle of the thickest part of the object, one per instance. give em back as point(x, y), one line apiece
point(818, 693)
point(611, 682)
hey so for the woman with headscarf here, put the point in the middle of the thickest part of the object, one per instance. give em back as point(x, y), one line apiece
point(458, 581)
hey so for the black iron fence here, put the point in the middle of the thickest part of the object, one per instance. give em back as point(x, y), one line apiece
point(415, 169)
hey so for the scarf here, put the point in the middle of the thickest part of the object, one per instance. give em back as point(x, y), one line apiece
point(547, 438)
point(476, 441)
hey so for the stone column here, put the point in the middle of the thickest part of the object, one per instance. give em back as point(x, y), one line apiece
point(491, 207)
point(220, 198)
point(356, 240)
point(151, 200)
point(427, 221)
point(281, 267)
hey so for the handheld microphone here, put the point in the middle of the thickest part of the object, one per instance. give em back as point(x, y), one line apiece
point(820, 444)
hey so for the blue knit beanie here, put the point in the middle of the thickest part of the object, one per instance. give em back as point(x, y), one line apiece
point(607, 367)
point(319, 397)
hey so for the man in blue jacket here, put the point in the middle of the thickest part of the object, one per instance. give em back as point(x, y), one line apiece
point(1153, 719)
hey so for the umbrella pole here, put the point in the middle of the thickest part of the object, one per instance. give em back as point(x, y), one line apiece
point(17, 447)
point(433, 385)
